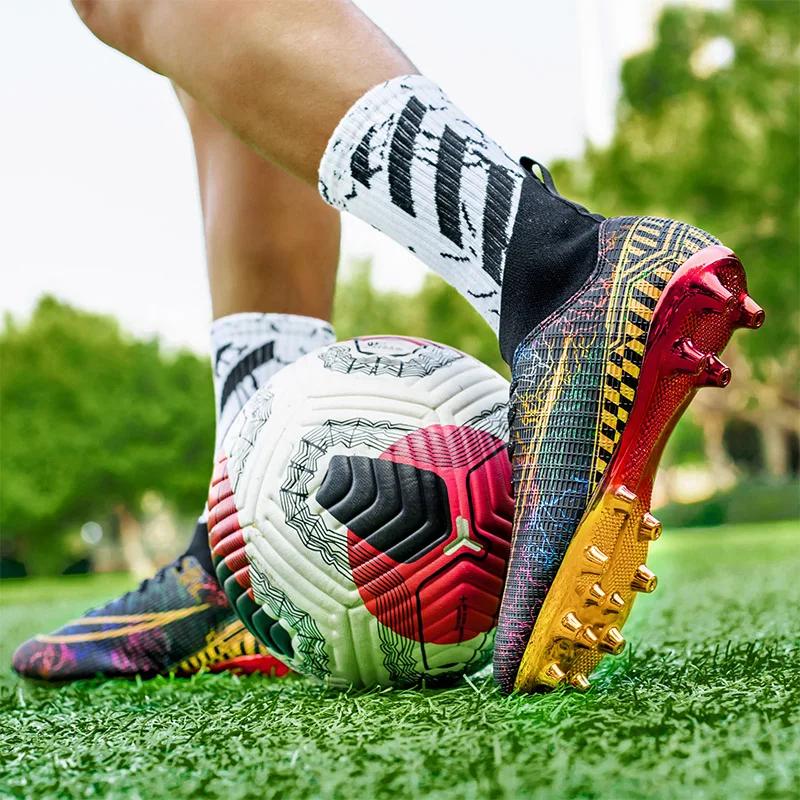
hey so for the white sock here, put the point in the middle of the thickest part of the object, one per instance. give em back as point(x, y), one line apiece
point(248, 349)
point(407, 161)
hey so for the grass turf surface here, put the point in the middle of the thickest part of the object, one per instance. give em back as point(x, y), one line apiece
point(704, 704)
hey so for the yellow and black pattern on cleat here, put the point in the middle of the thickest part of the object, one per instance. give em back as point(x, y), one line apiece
point(649, 252)
point(231, 642)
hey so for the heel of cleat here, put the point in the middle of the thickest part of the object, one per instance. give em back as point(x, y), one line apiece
point(604, 568)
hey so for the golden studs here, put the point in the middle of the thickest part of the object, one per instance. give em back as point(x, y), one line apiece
point(580, 682)
point(553, 674)
point(595, 558)
point(596, 595)
point(571, 623)
point(644, 580)
point(716, 373)
point(582, 635)
point(612, 642)
point(650, 528)
point(615, 601)
point(624, 497)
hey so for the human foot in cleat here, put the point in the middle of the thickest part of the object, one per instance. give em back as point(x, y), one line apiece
point(597, 389)
point(177, 622)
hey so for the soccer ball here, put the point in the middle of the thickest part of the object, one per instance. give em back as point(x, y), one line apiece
point(360, 512)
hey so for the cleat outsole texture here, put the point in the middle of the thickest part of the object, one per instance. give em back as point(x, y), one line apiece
point(703, 303)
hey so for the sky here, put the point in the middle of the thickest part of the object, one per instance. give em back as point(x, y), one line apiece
point(98, 191)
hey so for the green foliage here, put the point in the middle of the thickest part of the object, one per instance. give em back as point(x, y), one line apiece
point(705, 703)
point(92, 419)
point(717, 148)
point(747, 502)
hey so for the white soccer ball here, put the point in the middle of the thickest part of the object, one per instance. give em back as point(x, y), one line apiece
point(360, 512)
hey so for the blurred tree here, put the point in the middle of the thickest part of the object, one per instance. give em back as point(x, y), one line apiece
point(91, 419)
point(708, 130)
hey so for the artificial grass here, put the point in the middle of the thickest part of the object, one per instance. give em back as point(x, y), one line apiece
point(705, 703)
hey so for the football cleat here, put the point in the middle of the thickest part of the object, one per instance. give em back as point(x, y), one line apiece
point(177, 622)
point(597, 389)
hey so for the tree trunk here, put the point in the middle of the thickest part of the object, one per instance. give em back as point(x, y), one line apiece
point(130, 535)
point(776, 448)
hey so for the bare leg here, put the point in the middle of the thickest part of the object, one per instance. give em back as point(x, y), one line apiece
point(272, 245)
point(280, 73)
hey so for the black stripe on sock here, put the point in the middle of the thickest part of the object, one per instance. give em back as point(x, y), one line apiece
point(496, 216)
point(359, 161)
point(401, 154)
point(448, 184)
point(245, 367)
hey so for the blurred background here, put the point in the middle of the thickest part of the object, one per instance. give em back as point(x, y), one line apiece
point(688, 110)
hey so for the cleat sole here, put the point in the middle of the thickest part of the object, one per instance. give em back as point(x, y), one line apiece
point(604, 567)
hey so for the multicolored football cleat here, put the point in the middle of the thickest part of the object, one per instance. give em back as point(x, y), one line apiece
point(177, 622)
point(597, 389)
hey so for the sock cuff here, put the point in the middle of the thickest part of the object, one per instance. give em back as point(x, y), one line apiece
point(380, 104)
point(248, 349)
point(255, 324)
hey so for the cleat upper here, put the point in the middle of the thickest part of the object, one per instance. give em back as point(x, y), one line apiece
point(178, 621)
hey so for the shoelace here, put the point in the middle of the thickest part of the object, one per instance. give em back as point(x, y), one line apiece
point(174, 566)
